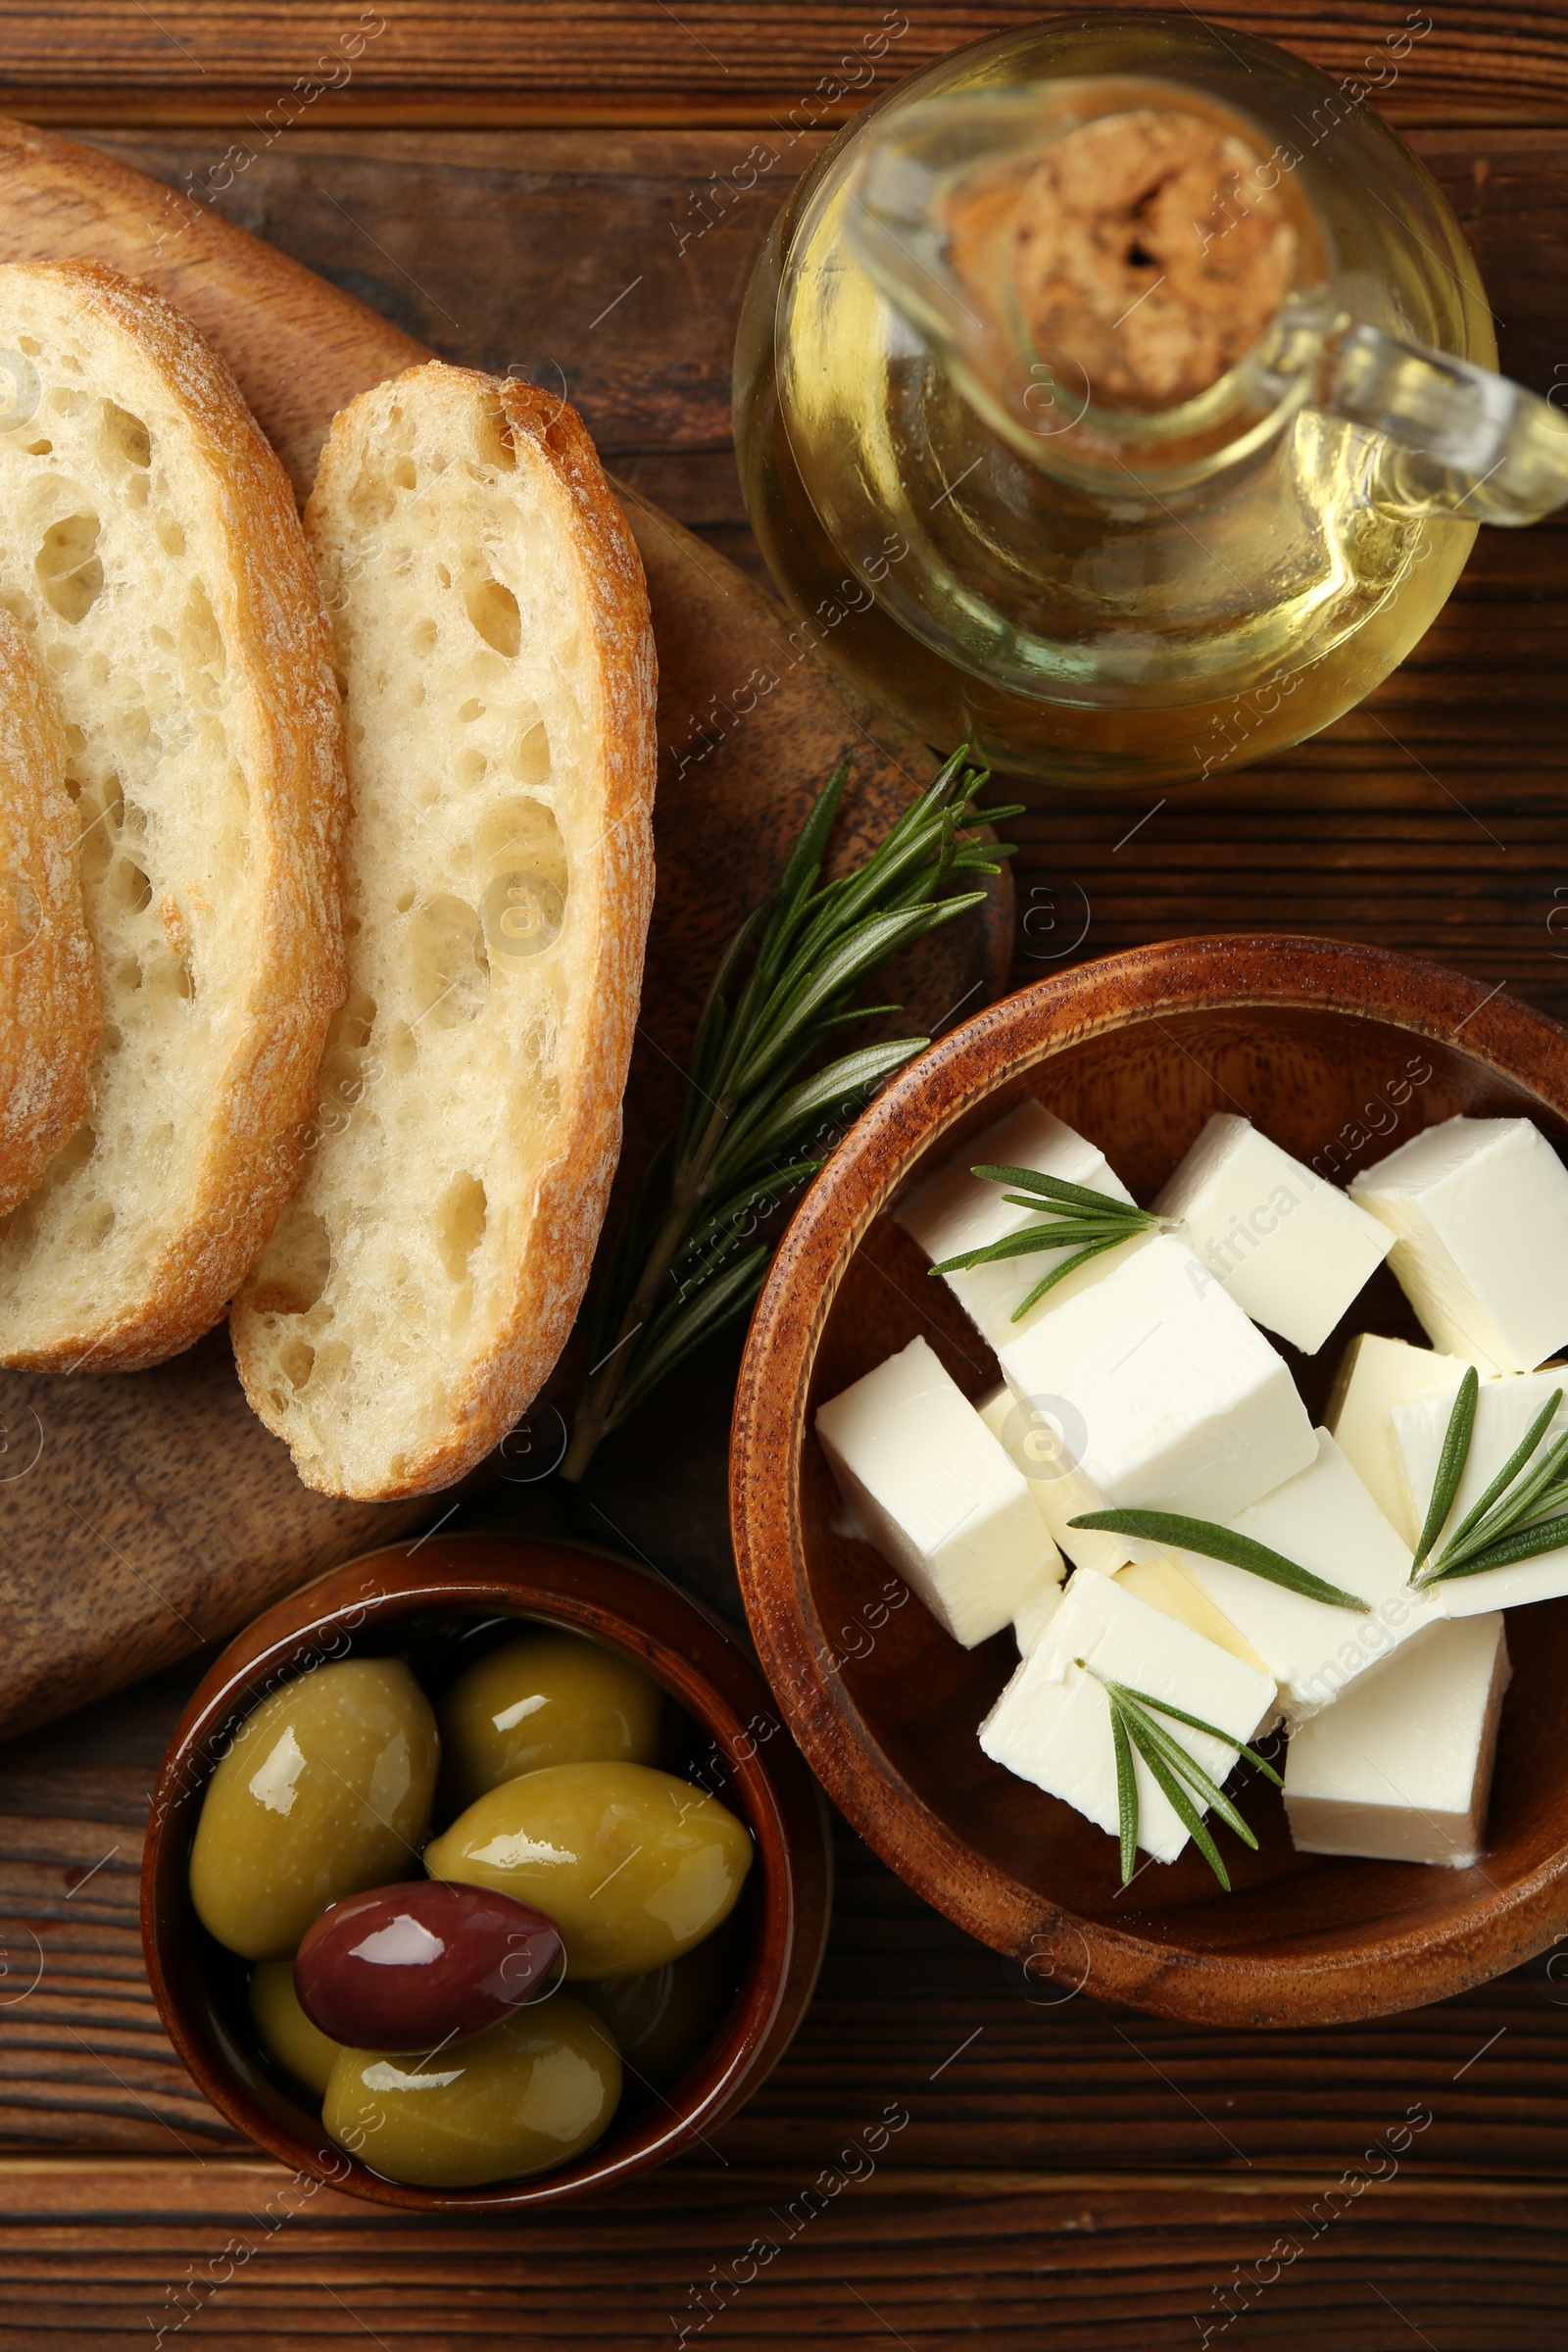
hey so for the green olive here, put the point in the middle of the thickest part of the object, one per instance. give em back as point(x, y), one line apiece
point(325, 1791)
point(665, 2019)
point(526, 2095)
point(287, 2034)
point(633, 1866)
point(548, 1698)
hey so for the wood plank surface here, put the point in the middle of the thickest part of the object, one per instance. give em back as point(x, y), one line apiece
point(1068, 2177)
point(1128, 2177)
point(238, 2254)
point(810, 62)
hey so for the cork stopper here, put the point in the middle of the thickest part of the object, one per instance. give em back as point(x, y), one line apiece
point(1143, 252)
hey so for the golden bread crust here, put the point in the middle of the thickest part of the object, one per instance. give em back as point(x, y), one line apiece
point(533, 1283)
point(236, 1151)
point(49, 1016)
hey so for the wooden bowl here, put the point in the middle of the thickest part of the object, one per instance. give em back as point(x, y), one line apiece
point(1337, 1052)
point(401, 1601)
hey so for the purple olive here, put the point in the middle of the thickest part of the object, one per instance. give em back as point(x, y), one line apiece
point(406, 1967)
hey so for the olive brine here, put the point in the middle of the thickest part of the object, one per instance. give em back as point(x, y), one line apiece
point(425, 2014)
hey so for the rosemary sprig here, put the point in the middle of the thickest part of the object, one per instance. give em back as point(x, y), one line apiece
point(760, 1113)
point(1088, 1223)
point(1450, 1464)
point(1523, 1513)
point(1175, 1771)
point(1222, 1543)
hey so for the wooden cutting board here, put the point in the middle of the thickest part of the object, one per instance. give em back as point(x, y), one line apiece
point(145, 1515)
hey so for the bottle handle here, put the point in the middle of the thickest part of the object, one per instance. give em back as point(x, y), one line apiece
point(1455, 439)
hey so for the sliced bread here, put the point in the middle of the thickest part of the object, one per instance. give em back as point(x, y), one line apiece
point(48, 989)
point(154, 557)
point(493, 643)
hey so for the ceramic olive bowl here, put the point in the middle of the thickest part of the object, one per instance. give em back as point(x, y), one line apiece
point(409, 1600)
point(1337, 1053)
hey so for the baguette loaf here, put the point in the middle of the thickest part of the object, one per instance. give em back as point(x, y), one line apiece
point(152, 554)
point(493, 641)
point(48, 990)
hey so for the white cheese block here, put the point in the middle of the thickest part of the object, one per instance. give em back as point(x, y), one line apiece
point(1505, 1411)
point(1159, 1578)
point(1167, 1397)
point(1031, 1621)
point(1402, 1768)
point(1374, 1376)
point(934, 1492)
point(1325, 1520)
point(1290, 1249)
point(1051, 1723)
point(1478, 1208)
point(1038, 1443)
point(1165, 1584)
point(955, 1210)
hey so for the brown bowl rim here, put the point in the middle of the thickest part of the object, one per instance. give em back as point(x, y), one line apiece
point(692, 1653)
point(1368, 1977)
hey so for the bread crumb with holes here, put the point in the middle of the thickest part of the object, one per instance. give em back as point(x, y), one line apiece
point(492, 634)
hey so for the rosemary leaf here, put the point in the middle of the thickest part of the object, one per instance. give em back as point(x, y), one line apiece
point(1526, 1544)
point(1069, 1208)
point(1186, 1768)
point(1519, 1516)
point(722, 1227)
point(1029, 1239)
point(1488, 1517)
point(852, 1075)
point(1450, 1464)
point(673, 1336)
point(1126, 1788)
point(1195, 1723)
point(1089, 1222)
point(1451, 1468)
point(1059, 1273)
point(1185, 1812)
point(1221, 1544)
point(795, 1008)
point(1066, 1196)
point(1174, 1768)
point(1540, 1498)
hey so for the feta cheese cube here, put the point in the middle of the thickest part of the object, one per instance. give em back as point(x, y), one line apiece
point(1290, 1249)
point(1167, 1398)
point(1375, 1375)
point(1325, 1520)
point(1157, 1577)
point(1038, 1443)
point(1031, 1621)
point(1051, 1723)
point(1478, 1208)
point(1402, 1768)
point(1165, 1584)
point(934, 1493)
point(954, 1211)
point(1505, 1411)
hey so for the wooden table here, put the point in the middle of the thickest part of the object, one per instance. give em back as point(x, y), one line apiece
point(514, 183)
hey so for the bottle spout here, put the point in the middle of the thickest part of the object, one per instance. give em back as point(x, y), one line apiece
point(1455, 439)
point(1109, 258)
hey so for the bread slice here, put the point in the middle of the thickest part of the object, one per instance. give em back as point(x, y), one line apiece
point(493, 641)
point(152, 554)
point(48, 989)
